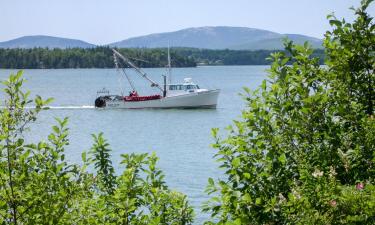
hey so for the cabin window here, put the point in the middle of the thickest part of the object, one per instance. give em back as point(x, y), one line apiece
point(183, 87)
point(176, 87)
point(191, 87)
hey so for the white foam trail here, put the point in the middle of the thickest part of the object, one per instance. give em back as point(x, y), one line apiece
point(61, 107)
point(73, 107)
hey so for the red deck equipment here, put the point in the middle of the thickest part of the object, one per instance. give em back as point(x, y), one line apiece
point(141, 98)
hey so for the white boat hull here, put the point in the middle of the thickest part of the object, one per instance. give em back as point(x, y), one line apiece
point(204, 99)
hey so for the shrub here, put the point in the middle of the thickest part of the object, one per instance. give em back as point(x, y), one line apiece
point(303, 152)
point(37, 185)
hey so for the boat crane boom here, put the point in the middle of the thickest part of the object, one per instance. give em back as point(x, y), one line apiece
point(139, 70)
point(123, 70)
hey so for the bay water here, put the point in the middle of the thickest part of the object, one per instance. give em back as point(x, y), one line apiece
point(180, 138)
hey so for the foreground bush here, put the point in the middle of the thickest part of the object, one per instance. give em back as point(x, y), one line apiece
point(303, 152)
point(37, 185)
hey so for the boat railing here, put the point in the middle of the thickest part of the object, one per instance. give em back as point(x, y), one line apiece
point(102, 92)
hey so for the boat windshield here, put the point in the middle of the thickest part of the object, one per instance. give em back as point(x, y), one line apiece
point(182, 87)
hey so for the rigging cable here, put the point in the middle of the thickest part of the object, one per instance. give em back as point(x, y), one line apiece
point(137, 69)
point(117, 63)
point(120, 78)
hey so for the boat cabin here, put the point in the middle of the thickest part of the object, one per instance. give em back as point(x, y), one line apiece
point(180, 89)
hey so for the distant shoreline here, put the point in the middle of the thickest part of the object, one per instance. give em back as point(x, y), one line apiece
point(101, 57)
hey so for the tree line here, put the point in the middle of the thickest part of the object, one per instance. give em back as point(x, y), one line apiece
point(101, 57)
point(235, 57)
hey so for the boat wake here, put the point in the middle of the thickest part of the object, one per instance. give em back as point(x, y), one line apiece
point(60, 107)
point(73, 107)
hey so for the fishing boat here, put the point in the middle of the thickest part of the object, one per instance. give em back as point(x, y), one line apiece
point(186, 94)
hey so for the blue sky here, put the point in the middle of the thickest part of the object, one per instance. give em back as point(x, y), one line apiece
point(106, 21)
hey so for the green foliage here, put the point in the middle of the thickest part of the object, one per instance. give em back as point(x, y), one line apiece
point(103, 164)
point(37, 185)
point(99, 57)
point(303, 152)
point(233, 57)
point(137, 196)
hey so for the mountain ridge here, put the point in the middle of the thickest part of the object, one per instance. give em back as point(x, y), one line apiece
point(217, 37)
point(44, 41)
point(207, 37)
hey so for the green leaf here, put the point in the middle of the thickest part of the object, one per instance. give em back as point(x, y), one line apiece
point(335, 23)
point(264, 85)
point(83, 156)
point(236, 162)
point(247, 197)
point(282, 158)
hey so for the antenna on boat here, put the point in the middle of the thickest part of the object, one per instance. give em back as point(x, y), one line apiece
point(169, 67)
point(137, 69)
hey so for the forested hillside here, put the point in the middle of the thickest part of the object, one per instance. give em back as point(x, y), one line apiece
point(233, 57)
point(101, 57)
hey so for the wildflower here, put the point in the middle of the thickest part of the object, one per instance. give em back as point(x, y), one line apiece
point(296, 194)
point(359, 186)
point(332, 172)
point(317, 173)
point(333, 203)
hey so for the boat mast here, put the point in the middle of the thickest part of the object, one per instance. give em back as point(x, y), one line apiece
point(169, 67)
point(139, 70)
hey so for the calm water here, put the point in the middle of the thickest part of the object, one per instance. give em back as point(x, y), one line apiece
point(181, 138)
